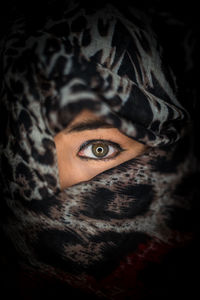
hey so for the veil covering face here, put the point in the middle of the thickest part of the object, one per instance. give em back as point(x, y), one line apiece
point(99, 235)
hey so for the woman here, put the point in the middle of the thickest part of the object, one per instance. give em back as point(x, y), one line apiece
point(95, 152)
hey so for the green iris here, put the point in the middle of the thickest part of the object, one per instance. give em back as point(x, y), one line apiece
point(100, 149)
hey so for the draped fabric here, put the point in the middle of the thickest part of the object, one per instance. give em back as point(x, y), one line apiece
point(101, 236)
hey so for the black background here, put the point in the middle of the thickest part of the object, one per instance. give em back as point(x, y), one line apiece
point(186, 16)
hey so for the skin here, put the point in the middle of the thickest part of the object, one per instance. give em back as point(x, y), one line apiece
point(77, 165)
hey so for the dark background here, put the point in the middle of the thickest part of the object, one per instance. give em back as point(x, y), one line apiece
point(177, 24)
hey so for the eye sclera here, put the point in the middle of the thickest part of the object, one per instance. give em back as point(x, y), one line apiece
point(107, 143)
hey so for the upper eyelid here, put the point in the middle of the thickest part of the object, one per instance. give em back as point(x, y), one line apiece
point(88, 142)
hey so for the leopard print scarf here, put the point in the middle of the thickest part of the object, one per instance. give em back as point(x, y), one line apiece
point(97, 236)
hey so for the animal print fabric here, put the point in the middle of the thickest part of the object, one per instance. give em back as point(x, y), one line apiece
point(97, 236)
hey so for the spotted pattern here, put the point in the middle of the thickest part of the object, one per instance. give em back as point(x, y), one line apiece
point(111, 64)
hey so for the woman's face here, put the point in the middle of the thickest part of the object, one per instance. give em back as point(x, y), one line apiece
point(89, 146)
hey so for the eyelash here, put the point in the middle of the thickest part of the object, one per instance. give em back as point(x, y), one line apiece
point(86, 145)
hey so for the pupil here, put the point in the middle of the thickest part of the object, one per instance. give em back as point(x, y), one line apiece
point(100, 149)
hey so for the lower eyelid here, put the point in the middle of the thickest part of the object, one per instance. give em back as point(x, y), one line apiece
point(99, 159)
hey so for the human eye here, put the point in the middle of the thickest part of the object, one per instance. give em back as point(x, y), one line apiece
point(99, 150)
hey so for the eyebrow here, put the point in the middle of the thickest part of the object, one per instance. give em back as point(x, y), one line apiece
point(89, 125)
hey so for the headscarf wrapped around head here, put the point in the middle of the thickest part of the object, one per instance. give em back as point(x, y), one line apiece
point(99, 235)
